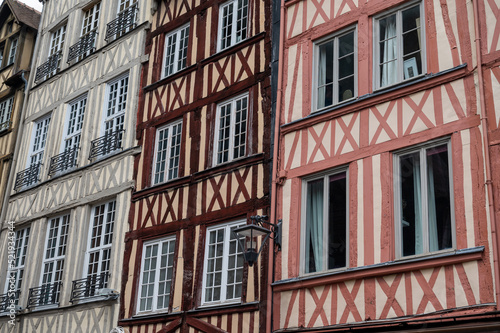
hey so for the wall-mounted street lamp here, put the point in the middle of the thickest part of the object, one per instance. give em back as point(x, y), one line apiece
point(247, 236)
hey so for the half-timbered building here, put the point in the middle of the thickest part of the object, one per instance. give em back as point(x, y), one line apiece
point(204, 128)
point(388, 147)
point(18, 29)
point(72, 181)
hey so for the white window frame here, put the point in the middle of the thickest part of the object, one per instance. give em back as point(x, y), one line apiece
point(91, 19)
point(168, 241)
point(60, 239)
point(6, 112)
point(177, 51)
point(233, 32)
point(399, 44)
point(57, 38)
point(21, 250)
point(125, 4)
point(335, 39)
point(325, 176)
point(73, 123)
point(104, 230)
point(225, 263)
point(36, 153)
point(114, 115)
point(232, 123)
point(173, 146)
point(424, 213)
point(13, 50)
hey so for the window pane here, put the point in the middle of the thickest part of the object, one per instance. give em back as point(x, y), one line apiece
point(337, 222)
point(411, 205)
point(438, 196)
point(314, 227)
point(325, 75)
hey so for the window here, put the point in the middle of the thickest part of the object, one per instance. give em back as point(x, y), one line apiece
point(325, 244)
point(16, 270)
point(222, 281)
point(116, 104)
point(2, 49)
point(53, 259)
point(73, 130)
point(156, 274)
point(233, 23)
point(5, 113)
point(12, 52)
point(176, 45)
point(423, 204)
point(56, 45)
point(100, 241)
point(91, 19)
point(231, 130)
point(336, 69)
point(167, 152)
point(40, 130)
point(399, 46)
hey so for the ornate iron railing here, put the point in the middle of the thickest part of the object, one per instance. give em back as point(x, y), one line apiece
point(48, 68)
point(63, 161)
point(5, 125)
point(124, 22)
point(106, 144)
point(44, 295)
point(27, 177)
point(8, 300)
point(88, 287)
point(83, 47)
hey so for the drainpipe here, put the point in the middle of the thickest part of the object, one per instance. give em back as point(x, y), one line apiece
point(484, 126)
point(274, 194)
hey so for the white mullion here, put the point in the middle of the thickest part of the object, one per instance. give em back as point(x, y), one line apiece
point(336, 70)
point(424, 198)
point(235, 21)
point(325, 225)
point(232, 127)
point(225, 258)
point(399, 44)
point(154, 303)
point(177, 50)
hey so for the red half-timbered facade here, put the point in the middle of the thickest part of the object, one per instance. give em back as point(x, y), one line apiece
point(203, 124)
point(386, 170)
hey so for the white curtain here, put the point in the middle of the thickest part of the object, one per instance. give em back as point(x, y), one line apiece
point(417, 194)
point(314, 232)
point(322, 76)
point(389, 69)
point(433, 236)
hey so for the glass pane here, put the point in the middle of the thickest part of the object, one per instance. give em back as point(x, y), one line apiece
point(411, 205)
point(346, 88)
point(314, 227)
point(439, 198)
point(337, 222)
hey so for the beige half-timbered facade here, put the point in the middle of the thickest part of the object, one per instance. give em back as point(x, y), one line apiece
point(386, 163)
point(204, 128)
point(18, 29)
point(73, 176)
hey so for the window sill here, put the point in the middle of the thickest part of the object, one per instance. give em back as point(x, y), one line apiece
point(226, 307)
point(232, 49)
point(170, 78)
point(382, 269)
point(379, 96)
point(44, 308)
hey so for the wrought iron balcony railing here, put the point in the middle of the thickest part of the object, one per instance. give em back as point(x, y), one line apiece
point(45, 295)
point(8, 300)
point(63, 161)
point(88, 287)
point(124, 22)
point(84, 47)
point(27, 177)
point(5, 125)
point(48, 68)
point(106, 144)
